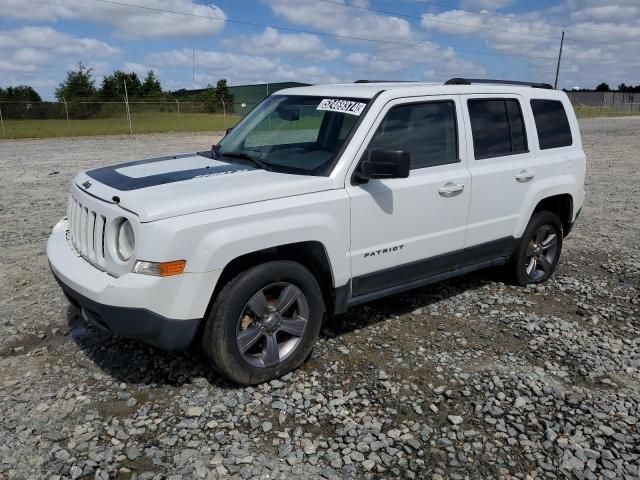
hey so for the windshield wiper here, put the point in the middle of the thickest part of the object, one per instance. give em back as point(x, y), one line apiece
point(245, 156)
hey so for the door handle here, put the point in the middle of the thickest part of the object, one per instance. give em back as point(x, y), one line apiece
point(451, 189)
point(525, 176)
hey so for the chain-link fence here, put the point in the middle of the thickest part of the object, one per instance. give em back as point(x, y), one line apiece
point(60, 119)
point(605, 104)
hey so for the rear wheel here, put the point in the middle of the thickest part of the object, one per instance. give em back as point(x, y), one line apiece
point(538, 252)
point(264, 322)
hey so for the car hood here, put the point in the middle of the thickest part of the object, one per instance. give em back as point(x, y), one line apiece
point(166, 187)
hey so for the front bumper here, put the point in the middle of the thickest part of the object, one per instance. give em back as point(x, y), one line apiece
point(137, 323)
point(165, 312)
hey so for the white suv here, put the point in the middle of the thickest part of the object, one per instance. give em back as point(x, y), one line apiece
point(322, 198)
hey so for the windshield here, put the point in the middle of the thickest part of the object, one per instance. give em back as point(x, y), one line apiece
point(293, 133)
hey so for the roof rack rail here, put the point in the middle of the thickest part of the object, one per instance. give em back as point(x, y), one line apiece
point(469, 81)
point(384, 81)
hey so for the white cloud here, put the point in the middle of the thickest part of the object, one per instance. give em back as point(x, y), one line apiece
point(403, 51)
point(99, 69)
point(128, 22)
point(10, 66)
point(238, 68)
point(486, 4)
point(273, 43)
point(537, 35)
point(140, 69)
point(349, 22)
point(30, 55)
point(391, 61)
point(46, 39)
point(505, 29)
point(607, 13)
point(27, 50)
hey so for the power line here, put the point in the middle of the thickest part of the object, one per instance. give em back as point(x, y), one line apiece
point(312, 32)
point(502, 15)
point(440, 5)
point(464, 25)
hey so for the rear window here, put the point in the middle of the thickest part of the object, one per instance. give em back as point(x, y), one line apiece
point(498, 127)
point(552, 124)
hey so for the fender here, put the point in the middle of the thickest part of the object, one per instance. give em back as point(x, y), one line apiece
point(558, 185)
point(211, 240)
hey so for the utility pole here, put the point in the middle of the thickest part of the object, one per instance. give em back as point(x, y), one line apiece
point(193, 68)
point(555, 85)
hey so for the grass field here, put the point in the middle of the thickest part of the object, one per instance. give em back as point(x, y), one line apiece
point(146, 123)
point(168, 122)
point(587, 111)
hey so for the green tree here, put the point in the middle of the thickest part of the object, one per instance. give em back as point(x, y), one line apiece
point(219, 97)
point(151, 85)
point(224, 94)
point(78, 85)
point(113, 85)
point(20, 93)
point(603, 87)
point(210, 103)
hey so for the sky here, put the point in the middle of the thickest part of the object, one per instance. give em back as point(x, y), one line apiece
point(319, 41)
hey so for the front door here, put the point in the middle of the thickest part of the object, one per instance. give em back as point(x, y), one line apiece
point(403, 230)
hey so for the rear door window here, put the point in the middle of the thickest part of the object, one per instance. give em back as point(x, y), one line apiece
point(552, 124)
point(498, 127)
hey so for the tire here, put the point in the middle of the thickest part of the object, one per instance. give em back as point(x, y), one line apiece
point(538, 251)
point(250, 315)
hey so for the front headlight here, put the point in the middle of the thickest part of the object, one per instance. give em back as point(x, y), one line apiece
point(125, 240)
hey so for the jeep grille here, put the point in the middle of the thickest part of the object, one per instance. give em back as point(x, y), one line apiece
point(86, 232)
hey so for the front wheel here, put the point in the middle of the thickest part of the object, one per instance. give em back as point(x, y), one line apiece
point(537, 254)
point(264, 322)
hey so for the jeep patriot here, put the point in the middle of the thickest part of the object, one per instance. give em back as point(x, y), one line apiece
point(321, 198)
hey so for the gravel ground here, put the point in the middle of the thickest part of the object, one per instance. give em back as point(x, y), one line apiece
point(470, 378)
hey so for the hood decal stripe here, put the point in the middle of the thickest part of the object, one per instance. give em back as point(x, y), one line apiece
point(111, 177)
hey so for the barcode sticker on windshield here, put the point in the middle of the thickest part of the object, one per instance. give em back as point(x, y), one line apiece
point(342, 106)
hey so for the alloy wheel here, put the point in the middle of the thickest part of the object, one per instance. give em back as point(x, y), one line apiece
point(272, 324)
point(541, 252)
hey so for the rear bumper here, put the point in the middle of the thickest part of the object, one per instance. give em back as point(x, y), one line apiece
point(137, 323)
point(165, 312)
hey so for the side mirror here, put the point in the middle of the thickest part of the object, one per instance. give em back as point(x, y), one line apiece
point(289, 114)
point(228, 131)
point(385, 164)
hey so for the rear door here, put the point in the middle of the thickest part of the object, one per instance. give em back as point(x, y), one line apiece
point(406, 229)
point(504, 166)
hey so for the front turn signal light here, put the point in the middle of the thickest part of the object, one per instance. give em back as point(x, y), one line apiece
point(160, 269)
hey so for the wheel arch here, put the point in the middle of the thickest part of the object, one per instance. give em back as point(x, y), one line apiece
point(562, 206)
point(555, 194)
point(310, 254)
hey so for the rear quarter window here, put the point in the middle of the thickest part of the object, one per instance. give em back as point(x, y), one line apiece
point(552, 124)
